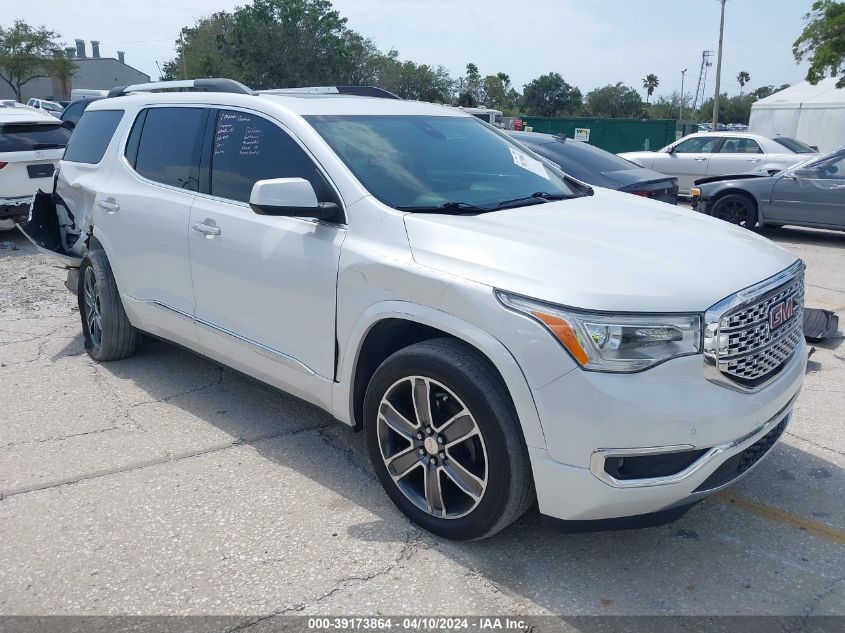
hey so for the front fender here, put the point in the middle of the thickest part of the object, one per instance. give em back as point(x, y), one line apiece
point(492, 348)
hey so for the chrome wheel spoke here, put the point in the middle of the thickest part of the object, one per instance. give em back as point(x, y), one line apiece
point(422, 400)
point(396, 421)
point(403, 462)
point(458, 428)
point(434, 493)
point(465, 480)
point(440, 467)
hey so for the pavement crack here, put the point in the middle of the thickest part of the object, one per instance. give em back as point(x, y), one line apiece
point(411, 546)
point(813, 443)
point(166, 459)
point(58, 438)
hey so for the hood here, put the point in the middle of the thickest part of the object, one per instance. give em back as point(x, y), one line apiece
point(610, 251)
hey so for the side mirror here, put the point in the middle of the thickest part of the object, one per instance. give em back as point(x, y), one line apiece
point(68, 125)
point(670, 149)
point(290, 197)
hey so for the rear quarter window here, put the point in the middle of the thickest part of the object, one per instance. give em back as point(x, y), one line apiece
point(169, 146)
point(92, 136)
point(26, 137)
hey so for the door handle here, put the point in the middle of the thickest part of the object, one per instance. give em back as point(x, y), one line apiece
point(700, 160)
point(205, 229)
point(108, 205)
point(753, 160)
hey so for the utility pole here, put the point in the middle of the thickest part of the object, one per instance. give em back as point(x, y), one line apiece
point(182, 36)
point(718, 70)
point(681, 100)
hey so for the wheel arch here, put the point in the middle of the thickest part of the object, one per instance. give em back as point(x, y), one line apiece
point(734, 191)
point(393, 325)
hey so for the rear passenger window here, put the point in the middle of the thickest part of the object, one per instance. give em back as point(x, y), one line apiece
point(92, 136)
point(169, 147)
point(248, 148)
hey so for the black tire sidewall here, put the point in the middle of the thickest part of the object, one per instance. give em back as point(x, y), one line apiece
point(488, 413)
point(109, 303)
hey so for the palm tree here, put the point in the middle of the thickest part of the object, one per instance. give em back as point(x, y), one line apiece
point(650, 83)
point(743, 78)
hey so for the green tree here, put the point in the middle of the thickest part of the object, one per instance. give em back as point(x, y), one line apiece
point(470, 88)
point(28, 53)
point(742, 78)
point(499, 94)
point(204, 51)
point(616, 101)
point(274, 43)
point(823, 41)
point(550, 95)
point(650, 82)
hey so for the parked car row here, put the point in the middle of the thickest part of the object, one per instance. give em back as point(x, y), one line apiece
point(811, 193)
point(503, 333)
point(718, 154)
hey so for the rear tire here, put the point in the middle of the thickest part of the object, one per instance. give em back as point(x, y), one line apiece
point(106, 329)
point(736, 208)
point(419, 405)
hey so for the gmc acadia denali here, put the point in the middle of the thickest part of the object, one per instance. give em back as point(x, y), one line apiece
point(501, 332)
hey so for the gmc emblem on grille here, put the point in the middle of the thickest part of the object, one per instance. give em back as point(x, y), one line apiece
point(782, 313)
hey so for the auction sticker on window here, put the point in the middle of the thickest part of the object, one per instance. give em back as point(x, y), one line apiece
point(523, 160)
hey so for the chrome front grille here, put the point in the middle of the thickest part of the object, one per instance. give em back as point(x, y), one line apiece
point(740, 342)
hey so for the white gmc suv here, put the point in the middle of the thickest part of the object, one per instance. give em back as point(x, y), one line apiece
point(501, 332)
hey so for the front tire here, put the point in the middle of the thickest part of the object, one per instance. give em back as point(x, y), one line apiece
point(445, 442)
point(106, 329)
point(736, 208)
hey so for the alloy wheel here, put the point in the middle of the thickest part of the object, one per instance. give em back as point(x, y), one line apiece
point(93, 317)
point(733, 210)
point(432, 447)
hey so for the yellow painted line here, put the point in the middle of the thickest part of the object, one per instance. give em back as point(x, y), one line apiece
point(819, 530)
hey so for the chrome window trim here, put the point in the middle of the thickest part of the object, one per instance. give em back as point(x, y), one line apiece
point(747, 296)
point(600, 455)
point(255, 346)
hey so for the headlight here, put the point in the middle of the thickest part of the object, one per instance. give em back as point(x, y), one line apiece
point(614, 342)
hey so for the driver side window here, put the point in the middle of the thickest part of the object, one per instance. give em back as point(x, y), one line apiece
point(698, 145)
point(248, 148)
point(830, 169)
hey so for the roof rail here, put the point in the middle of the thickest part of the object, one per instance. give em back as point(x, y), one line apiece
point(358, 91)
point(188, 85)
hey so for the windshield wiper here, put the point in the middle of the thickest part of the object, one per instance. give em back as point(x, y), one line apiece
point(538, 197)
point(48, 145)
point(450, 208)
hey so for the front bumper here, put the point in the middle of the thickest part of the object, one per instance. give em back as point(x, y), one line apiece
point(590, 417)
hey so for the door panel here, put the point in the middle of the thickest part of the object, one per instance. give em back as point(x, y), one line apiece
point(268, 282)
point(144, 208)
point(689, 160)
point(736, 156)
point(813, 195)
point(265, 285)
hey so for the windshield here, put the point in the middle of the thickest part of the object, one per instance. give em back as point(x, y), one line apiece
point(423, 162)
point(794, 145)
point(51, 106)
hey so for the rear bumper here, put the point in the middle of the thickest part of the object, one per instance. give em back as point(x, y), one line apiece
point(15, 207)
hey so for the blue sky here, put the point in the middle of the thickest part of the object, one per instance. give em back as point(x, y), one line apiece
point(589, 42)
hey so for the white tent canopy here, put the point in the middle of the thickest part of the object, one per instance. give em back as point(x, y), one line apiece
point(813, 114)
